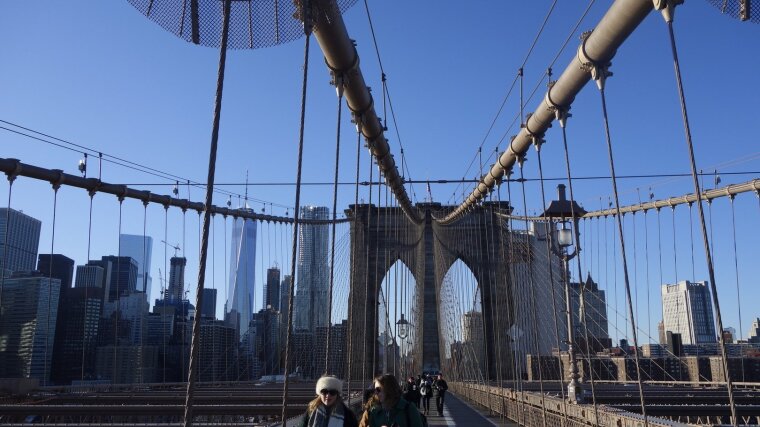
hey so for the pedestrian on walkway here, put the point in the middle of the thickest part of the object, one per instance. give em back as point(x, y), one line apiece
point(388, 408)
point(328, 409)
point(426, 391)
point(440, 388)
point(412, 392)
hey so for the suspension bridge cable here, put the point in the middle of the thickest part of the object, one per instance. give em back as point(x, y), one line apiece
point(56, 186)
point(530, 251)
point(355, 243)
point(296, 210)
point(386, 92)
point(112, 159)
point(117, 297)
point(708, 254)
point(339, 87)
point(367, 375)
point(601, 75)
point(675, 252)
point(537, 143)
point(519, 76)
point(11, 178)
point(691, 239)
point(84, 321)
point(736, 268)
point(562, 116)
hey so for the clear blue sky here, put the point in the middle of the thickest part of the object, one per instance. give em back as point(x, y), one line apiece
point(99, 74)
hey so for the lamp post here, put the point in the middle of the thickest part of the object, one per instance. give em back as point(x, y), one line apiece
point(562, 239)
point(402, 331)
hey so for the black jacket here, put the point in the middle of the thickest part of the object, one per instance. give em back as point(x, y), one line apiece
point(440, 387)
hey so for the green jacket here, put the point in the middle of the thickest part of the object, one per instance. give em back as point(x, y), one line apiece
point(404, 414)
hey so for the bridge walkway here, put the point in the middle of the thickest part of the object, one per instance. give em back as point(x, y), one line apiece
point(457, 412)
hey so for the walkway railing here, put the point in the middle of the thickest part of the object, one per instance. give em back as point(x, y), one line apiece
point(525, 408)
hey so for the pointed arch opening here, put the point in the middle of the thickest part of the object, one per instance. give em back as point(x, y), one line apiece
point(461, 324)
point(397, 320)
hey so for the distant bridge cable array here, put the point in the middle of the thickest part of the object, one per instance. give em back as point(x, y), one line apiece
point(174, 180)
point(519, 76)
point(617, 24)
point(387, 94)
point(342, 59)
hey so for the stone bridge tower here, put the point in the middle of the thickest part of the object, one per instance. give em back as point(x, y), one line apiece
point(382, 236)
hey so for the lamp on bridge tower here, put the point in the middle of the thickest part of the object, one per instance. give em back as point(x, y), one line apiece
point(561, 241)
point(402, 327)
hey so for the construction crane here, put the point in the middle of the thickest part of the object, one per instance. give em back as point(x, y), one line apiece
point(175, 247)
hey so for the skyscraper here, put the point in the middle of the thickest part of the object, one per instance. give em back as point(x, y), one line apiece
point(176, 290)
point(28, 313)
point(595, 315)
point(239, 305)
point(58, 266)
point(123, 276)
point(272, 289)
point(687, 310)
point(93, 276)
point(23, 234)
point(209, 303)
point(312, 278)
point(140, 249)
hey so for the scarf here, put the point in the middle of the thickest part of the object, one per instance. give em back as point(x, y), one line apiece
point(334, 419)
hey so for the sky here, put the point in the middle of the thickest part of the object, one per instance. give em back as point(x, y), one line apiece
point(101, 75)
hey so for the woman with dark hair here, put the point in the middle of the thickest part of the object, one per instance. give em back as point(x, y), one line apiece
point(328, 409)
point(388, 408)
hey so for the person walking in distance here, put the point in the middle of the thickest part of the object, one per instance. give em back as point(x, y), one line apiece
point(411, 392)
point(440, 388)
point(328, 409)
point(426, 391)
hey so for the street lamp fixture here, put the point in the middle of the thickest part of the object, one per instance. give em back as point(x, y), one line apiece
point(402, 327)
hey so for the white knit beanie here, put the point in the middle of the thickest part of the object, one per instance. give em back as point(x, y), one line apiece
point(329, 383)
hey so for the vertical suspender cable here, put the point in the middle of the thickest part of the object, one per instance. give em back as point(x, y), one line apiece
point(84, 321)
point(519, 362)
point(537, 143)
point(562, 121)
point(376, 281)
point(367, 377)
point(163, 285)
point(353, 260)
point(56, 186)
point(306, 9)
point(145, 284)
point(11, 178)
point(646, 251)
point(700, 210)
point(691, 239)
point(675, 252)
point(618, 217)
point(736, 268)
point(118, 293)
point(339, 88)
point(194, 343)
point(529, 250)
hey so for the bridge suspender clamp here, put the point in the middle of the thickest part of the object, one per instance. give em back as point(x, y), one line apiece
point(536, 138)
point(599, 71)
point(561, 113)
point(16, 171)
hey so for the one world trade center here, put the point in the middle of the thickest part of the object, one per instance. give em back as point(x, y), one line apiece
point(239, 307)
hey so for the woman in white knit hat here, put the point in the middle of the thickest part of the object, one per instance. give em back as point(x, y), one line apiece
point(328, 409)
